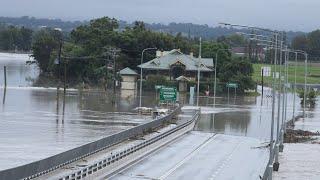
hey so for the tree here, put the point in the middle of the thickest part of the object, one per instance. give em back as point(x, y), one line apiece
point(209, 50)
point(43, 47)
point(314, 43)
point(14, 38)
point(300, 43)
point(238, 70)
point(26, 38)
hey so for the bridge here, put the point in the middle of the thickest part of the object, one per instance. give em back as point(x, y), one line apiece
point(166, 148)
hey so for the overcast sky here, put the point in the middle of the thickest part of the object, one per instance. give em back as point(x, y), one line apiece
point(297, 15)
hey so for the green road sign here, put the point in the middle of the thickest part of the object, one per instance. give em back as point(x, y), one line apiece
point(232, 85)
point(168, 94)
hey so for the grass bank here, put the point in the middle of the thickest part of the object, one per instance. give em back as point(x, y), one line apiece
point(312, 78)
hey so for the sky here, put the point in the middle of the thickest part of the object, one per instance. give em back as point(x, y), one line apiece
point(295, 15)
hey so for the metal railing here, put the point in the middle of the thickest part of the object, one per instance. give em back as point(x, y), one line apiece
point(114, 158)
point(44, 166)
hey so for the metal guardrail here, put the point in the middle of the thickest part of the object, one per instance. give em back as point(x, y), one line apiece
point(266, 174)
point(111, 159)
point(44, 166)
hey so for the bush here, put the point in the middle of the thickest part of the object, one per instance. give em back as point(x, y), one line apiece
point(154, 80)
point(311, 97)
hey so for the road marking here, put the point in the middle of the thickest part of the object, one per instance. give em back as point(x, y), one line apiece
point(147, 156)
point(188, 157)
point(222, 166)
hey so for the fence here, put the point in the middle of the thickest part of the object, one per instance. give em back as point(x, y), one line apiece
point(44, 166)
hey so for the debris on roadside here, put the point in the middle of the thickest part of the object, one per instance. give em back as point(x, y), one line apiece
point(299, 136)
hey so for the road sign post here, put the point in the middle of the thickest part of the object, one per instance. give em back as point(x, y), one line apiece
point(234, 86)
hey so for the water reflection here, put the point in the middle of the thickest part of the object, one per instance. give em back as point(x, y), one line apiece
point(246, 116)
point(35, 125)
point(4, 95)
point(18, 72)
point(235, 122)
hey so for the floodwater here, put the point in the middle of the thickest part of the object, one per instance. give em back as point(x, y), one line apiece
point(244, 116)
point(35, 124)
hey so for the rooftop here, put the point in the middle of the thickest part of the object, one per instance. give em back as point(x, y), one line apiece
point(128, 71)
point(165, 61)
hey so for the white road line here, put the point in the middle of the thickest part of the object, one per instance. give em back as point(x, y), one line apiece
point(145, 157)
point(188, 157)
point(223, 165)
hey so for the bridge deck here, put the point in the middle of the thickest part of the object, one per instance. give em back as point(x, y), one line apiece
point(198, 155)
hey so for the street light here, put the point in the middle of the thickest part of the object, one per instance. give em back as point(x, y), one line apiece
point(199, 64)
point(249, 27)
point(215, 75)
point(146, 49)
point(305, 80)
point(295, 84)
point(268, 173)
point(251, 34)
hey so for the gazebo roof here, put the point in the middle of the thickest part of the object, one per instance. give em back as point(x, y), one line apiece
point(182, 78)
point(128, 71)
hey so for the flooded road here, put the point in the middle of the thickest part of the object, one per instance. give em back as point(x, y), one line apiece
point(244, 116)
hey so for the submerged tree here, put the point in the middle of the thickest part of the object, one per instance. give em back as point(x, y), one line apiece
point(311, 97)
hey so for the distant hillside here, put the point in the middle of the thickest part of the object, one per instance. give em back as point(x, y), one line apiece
point(205, 31)
point(36, 23)
point(186, 29)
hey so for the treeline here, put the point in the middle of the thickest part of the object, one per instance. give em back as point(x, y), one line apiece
point(185, 29)
point(38, 23)
point(310, 43)
point(89, 51)
point(15, 38)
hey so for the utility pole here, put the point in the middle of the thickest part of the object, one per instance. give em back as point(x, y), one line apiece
point(59, 60)
point(59, 73)
point(113, 53)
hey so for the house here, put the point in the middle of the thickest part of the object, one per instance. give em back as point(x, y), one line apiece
point(174, 64)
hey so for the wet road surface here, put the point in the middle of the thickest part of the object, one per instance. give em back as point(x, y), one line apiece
point(199, 155)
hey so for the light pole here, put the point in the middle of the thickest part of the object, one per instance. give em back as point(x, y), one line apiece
point(305, 84)
point(199, 64)
point(146, 49)
point(268, 172)
point(295, 84)
point(305, 79)
point(215, 75)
